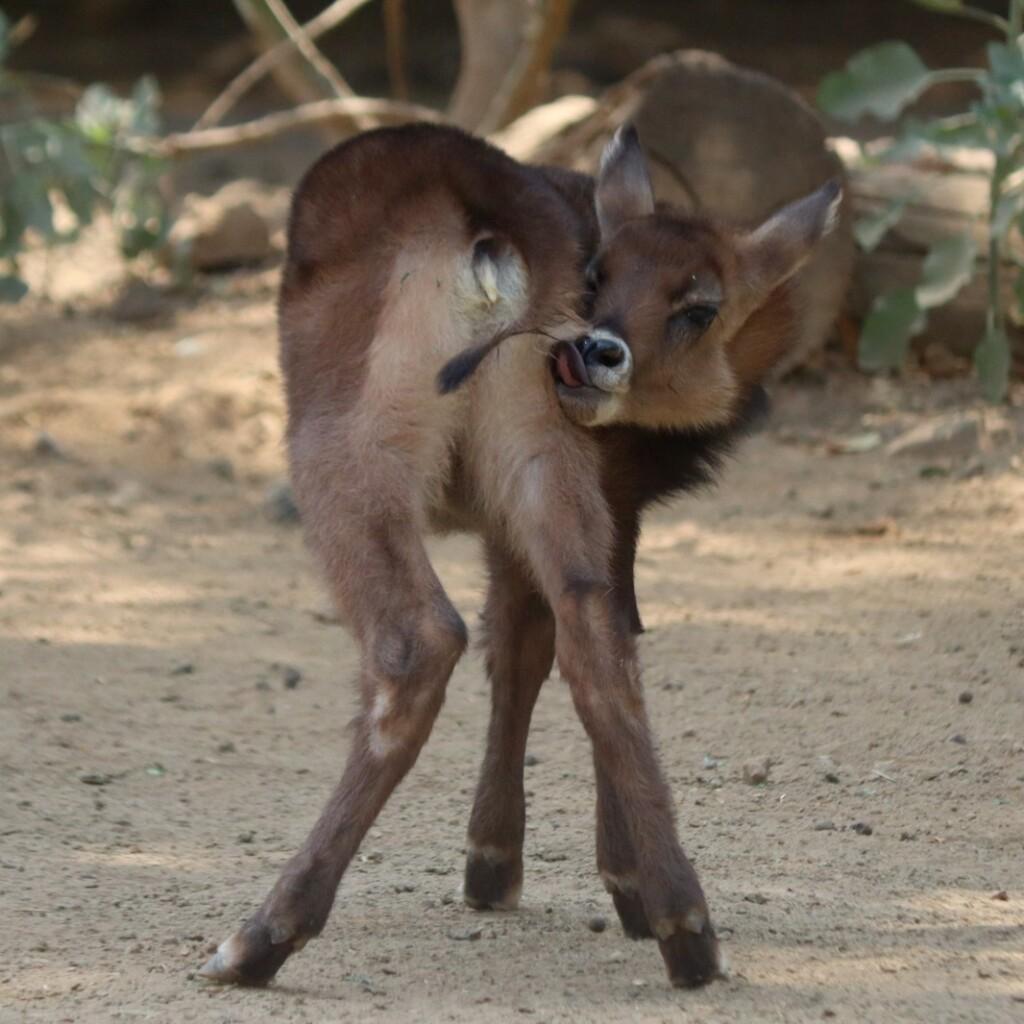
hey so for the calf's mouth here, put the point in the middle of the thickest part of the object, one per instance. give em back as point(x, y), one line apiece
point(568, 367)
point(600, 361)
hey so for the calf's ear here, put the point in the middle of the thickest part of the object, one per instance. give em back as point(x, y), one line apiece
point(767, 257)
point(782, 244)
point(623, 185)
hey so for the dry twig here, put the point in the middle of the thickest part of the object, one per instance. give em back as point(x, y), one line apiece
point(297, 34)
point(328, 19)
point(308, 114)
point(507, 46)
point(519, 88)
point(394, 35)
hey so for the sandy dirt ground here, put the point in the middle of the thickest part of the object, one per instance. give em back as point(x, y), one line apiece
point(173, 707)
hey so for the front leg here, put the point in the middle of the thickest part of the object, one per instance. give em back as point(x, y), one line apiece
point(627, 537)
point(520, 642)
point(568, 536)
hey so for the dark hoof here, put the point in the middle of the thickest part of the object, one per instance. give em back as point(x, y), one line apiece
point(249, 957)
point(690, 951)
point(631, 913)
point(492, 883)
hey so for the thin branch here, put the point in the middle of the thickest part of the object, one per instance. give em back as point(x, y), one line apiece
point(394, 37)
point(328, 19)
point(545, 26)
point(1016, 23)
point(308, 48)
point(993, 21)
point(945, 76)
point(345, 107)
point(298, 79)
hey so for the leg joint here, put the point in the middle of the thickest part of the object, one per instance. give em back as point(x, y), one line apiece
point(421, 648)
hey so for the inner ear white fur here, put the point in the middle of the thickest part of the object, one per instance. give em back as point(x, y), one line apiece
point(624, 189)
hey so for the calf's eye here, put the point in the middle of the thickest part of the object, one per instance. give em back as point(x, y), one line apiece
point(692, 319)
point(700, 316)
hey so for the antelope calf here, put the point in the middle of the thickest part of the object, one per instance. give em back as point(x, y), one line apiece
point(642, 338)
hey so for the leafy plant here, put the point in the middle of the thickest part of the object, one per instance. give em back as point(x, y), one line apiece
point(55, 173)
point(883, 80)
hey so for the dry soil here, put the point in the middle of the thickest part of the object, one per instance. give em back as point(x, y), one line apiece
point(853, 618)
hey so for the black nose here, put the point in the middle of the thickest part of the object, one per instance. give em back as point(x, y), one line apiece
point(602, 352)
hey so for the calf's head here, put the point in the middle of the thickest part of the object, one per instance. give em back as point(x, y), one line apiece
point(685, 316)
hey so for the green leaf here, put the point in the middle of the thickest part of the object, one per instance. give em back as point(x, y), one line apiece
point(881, 80)
point(29, 196)
point(948, 266)
point(12, 227)
point(1005, 213)
point(12, 289)
point(958, 130)
point(894, 319)
point(992, 361)
point(145, 106)
point(870, 230)
point(1006, 62)
point(81, 197)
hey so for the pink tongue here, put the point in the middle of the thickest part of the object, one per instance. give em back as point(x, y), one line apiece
point(565, 372)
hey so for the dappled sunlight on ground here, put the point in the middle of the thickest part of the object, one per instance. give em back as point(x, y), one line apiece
point(855, 623)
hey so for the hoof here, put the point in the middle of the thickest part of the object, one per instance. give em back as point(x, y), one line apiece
point(492, 883)
point(690, 950)
point(249, 957)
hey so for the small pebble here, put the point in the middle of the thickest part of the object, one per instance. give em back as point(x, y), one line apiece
point(958, 737)
point(279, 504)
point(70, 716)
point(469, 935)
point(824, 826)
point(755, 773)
point(831, 777)
point(227, 747)
point(966, 697)
point(907, 837)
point(223, 468)
point(862, 828)
point(1001, 895)
point(756, 897)
point(47, 446)
point(291, 677)
point(530, 760)
point(95, 779)
point(597, 923)
point(246, 837)
point(185, 668)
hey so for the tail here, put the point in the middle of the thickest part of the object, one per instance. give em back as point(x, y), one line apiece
point(460, 368)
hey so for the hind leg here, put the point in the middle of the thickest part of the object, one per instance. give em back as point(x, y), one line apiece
point(411, 638)
point(520, 651)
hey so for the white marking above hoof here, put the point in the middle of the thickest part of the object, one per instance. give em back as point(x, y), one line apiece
point(222, 967)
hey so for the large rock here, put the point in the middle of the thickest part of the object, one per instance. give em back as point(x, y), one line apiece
point(952, 436)
point(231, 228)
point(730, 142)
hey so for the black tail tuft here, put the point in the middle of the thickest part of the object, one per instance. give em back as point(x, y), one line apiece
point(460, 368)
